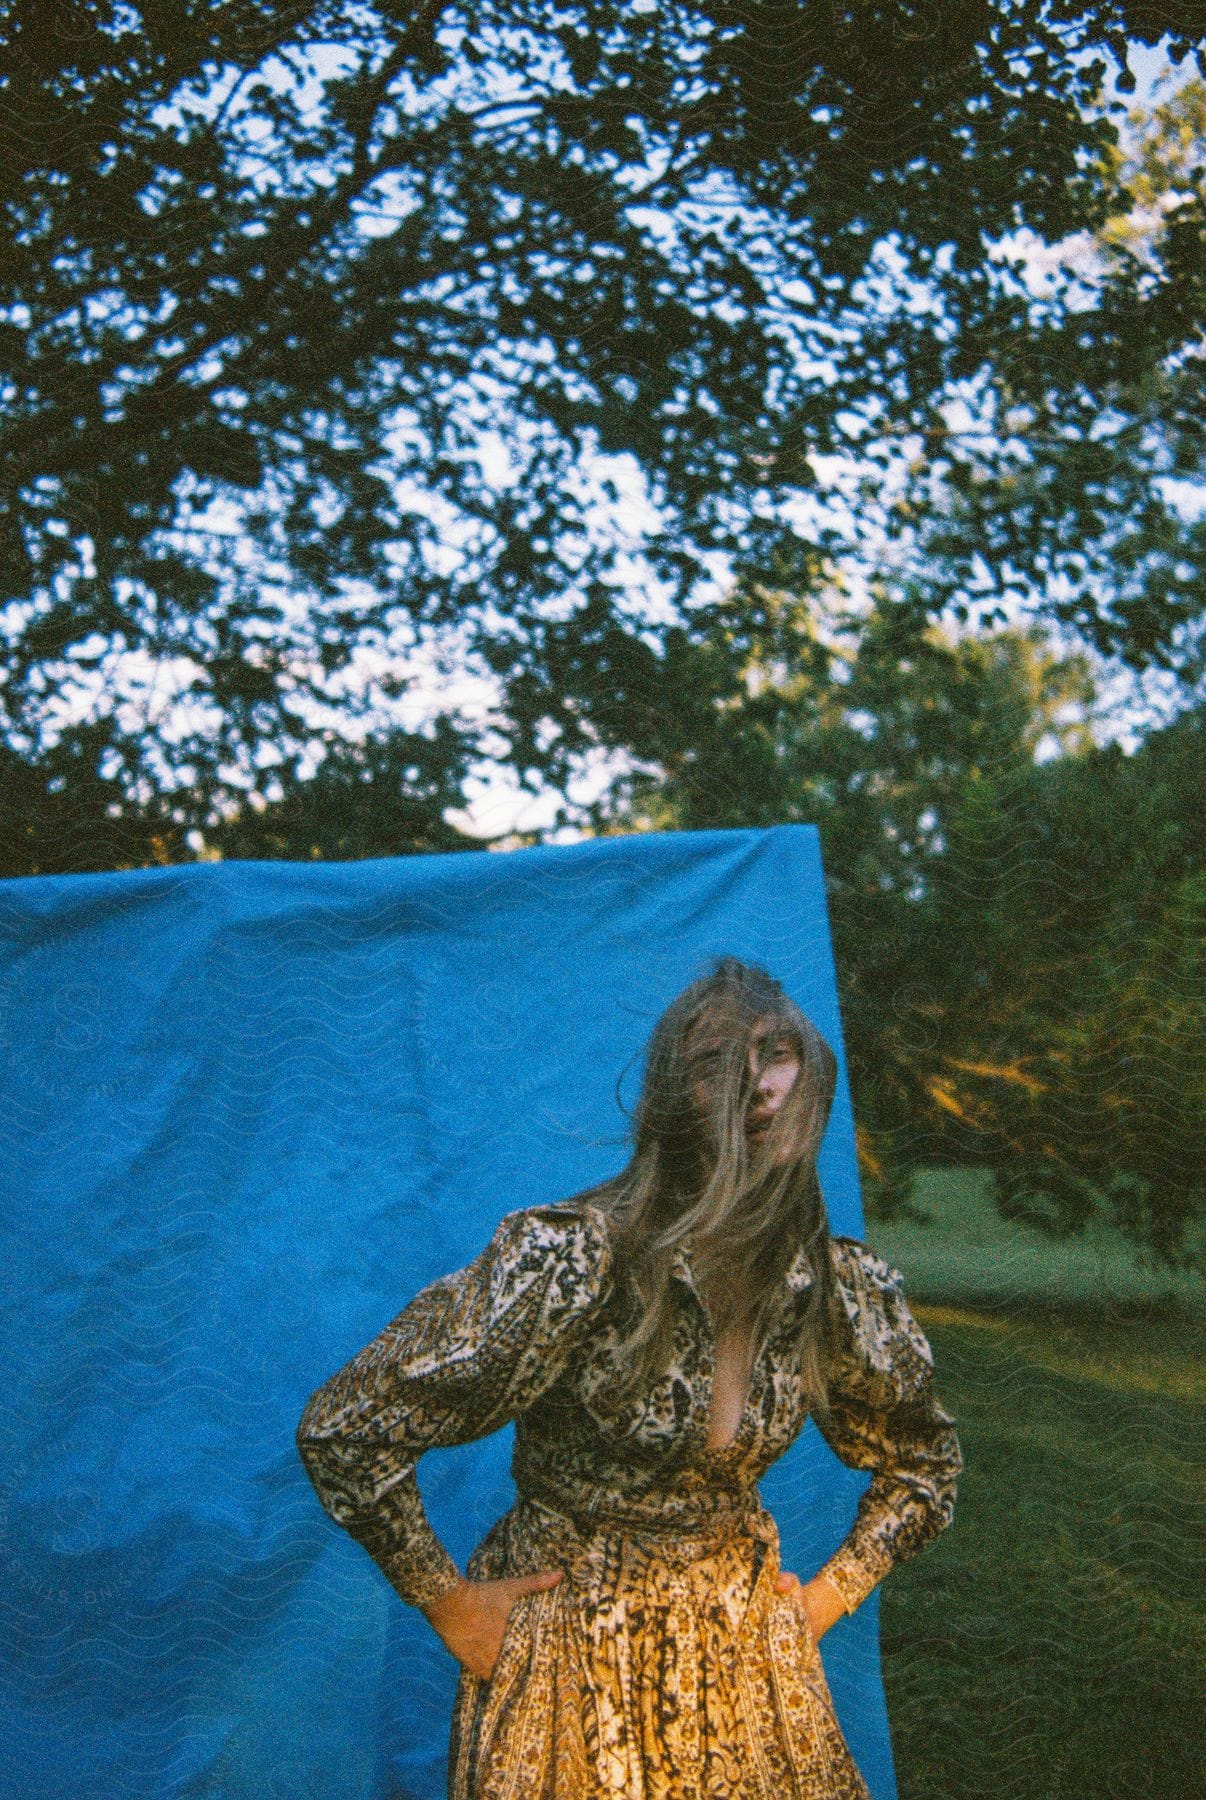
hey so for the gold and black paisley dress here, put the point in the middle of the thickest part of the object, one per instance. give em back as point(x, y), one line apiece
point(663, 1665)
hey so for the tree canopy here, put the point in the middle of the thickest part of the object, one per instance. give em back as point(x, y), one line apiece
point(349, 351)
point(1017, 912)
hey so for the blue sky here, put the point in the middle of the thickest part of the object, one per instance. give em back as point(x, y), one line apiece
point(619, 508)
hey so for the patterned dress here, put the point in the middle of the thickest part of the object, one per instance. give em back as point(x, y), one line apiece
point(663, 1665)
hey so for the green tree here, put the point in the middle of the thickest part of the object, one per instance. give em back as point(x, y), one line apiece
point(324, 322)
point(1084, 474)
point(1016, 913)
point(62, 816)
point(386, 796)
point(1070, 1055)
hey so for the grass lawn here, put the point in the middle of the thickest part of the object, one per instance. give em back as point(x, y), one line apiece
point(1051, 1644)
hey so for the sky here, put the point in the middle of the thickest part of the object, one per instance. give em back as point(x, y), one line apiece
point(1130, 703)
point(621, 505)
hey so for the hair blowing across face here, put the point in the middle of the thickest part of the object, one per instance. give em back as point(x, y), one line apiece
point(743, 1206)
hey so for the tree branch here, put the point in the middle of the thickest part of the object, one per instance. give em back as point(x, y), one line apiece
point(363, 169)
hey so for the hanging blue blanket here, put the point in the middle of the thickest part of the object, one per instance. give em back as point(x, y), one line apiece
point(249, 1110)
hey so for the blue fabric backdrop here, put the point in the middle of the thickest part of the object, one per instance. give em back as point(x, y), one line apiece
point(249, 1110)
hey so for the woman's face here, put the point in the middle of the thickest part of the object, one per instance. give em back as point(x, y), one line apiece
point(774, 1064)
point(773, 1068)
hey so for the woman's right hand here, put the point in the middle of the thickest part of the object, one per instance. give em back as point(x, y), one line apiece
point(471, 1619)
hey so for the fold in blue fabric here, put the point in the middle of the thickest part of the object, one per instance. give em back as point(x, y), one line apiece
point(249, 1110)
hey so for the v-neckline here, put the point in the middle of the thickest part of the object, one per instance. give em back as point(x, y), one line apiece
point(745, 1381)
point(798, 1280)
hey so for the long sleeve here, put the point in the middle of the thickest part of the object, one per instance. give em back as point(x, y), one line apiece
point(885, 1416)
point(471, 1351)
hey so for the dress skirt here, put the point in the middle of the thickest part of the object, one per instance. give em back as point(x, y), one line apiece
point(663, 1666)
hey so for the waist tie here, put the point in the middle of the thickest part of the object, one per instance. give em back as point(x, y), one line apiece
point(671, 1536)
point(611, 1553)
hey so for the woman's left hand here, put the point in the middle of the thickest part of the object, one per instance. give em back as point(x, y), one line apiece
point(821, 1602)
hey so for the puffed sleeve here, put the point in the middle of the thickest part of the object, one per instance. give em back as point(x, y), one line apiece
point(471, 1351)
point(885, 1416)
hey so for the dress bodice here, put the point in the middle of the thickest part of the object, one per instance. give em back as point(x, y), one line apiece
point(532, 1330)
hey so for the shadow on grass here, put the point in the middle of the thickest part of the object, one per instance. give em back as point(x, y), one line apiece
point(1048, 1646)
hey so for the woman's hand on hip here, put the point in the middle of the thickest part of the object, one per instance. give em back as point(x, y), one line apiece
point(471, 1619)
point(818, 1598)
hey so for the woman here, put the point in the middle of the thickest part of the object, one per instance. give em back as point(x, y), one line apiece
point(660, 1340)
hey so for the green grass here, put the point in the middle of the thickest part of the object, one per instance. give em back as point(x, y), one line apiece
point(967, 1252)
point(1050, 1644)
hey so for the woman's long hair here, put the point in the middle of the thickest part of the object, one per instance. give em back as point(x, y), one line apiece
point(744, 1207)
